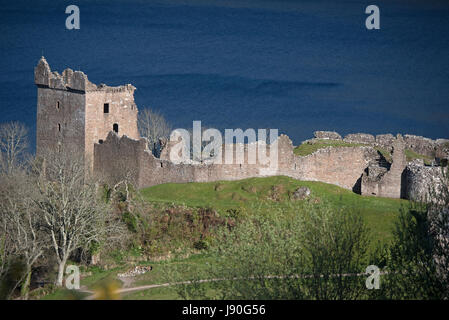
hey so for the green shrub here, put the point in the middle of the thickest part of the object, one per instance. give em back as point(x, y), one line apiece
point(131, 221)
point(301, 256)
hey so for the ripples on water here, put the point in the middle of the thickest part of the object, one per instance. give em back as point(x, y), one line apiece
point(298, 66)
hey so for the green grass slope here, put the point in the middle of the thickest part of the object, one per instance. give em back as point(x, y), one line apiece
point(260, 195)
point(271, 195)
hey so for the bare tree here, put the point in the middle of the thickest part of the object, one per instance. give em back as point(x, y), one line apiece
point(6, 251)
point(74, 216)
point(153, 126)
point(22, 226)
point(46, 206)
point(13, 145)
point(21, 238)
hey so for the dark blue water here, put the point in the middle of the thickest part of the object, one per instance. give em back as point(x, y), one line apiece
point(298, 66)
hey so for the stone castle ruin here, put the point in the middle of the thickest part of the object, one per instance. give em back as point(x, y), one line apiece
point(73, 113)
point(100, 122)
point(382, 181)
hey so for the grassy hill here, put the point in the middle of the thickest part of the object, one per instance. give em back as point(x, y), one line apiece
point(272, 195)
point(260, 195)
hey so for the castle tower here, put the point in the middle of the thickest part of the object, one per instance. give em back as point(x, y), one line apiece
point(74, 113)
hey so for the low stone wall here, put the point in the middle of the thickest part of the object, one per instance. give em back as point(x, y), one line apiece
point(118, 157)
point(353, 168)
point(331, 135)
point(431, 148)
point(342, 166)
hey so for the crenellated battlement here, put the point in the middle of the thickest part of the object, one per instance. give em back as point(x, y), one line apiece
point(74, 113)
point(71, 80)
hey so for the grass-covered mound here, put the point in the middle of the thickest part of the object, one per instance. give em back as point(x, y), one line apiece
point(274, 194)
point(180, 221)
point(256, 227)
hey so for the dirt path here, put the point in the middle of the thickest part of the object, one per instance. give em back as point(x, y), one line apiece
point(145, 287)
point(151, 286)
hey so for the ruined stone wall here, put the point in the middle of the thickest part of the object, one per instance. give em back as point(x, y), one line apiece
point(70, 111)
point(348, 167)
point(154, 171)
point(122, 111)
point(115, 156)
point(68, 80)
point(60, 120)
point(330, 135)
point(60, 113)
point(360, 138)
point(431, 148)
point(118, 158)
point(342, 166)
point(419, 179)
point(389, 183)
point(420, 145)
point(385, 141)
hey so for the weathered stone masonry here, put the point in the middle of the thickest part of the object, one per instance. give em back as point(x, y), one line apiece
point(386, 183)
point(330, 165)
point(119, 154)
point(100, 122)
point(73, 113)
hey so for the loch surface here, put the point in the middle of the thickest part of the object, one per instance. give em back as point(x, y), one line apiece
point(298, 66)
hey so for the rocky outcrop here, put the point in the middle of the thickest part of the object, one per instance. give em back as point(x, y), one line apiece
point(137, 270)
point(301, 193)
